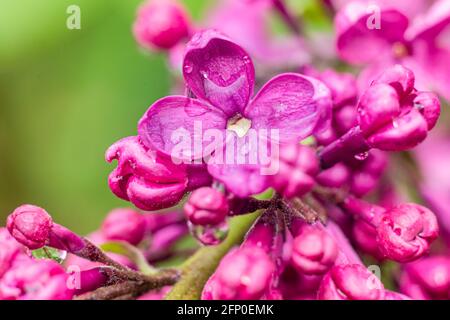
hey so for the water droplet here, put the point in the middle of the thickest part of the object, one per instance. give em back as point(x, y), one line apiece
point(246, 59)
point(395, 124)
point(204, 74)
point(362, 156)
point(418, 106)
point(209, 235)
point(188, 67)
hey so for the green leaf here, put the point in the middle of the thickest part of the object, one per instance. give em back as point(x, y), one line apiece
point(50, 253)
point(131, 252)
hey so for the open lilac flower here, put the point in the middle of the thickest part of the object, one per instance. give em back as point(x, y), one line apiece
point(416, 43)
point(10, 251)
point(221, 75)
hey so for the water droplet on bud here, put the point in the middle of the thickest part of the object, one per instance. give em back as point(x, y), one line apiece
point(362, 156)
point(209, 235)
point(188, 67)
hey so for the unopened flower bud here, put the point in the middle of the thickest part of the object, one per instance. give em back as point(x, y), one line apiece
point(350, 282)
point(427, 279)
point(313, 251)
point(30, 225)
point(125, 225)
point(406, 231)
point(206, 206)
point(298, 166)
point(244, 274)
point(161, 24)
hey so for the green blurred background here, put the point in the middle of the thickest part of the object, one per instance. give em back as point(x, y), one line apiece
point(65, 96)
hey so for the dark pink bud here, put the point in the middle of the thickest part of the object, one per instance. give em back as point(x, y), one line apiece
point(125, 225)
point(298, 166)
point(429, 106)
point(35, 280)
point(427, 279)
point(161, 24)
point(400, 78)
point(334, 177)
point(378, 105)
point(244, 274)
point(206, 206)
point(313, 251)
point(30, 225)
point(147, 179)
point(350, 282)
point(344, 118)
point(406, 231)
point(365, 236)
point(10, 249)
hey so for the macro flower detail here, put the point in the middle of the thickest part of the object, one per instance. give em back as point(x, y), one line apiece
point(206, 206)
point(161, 24)
point(124, 224)
point(350, 282)
point(221, 75)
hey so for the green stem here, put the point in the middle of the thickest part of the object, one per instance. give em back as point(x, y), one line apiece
point(197, 270)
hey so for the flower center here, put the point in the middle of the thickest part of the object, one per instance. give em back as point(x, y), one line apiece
point(399, 50)
point(239, 125)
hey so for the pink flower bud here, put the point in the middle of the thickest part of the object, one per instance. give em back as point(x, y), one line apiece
point(206, 206)
point(30, 225)
point(35, 280)
point(427, 279)
point(406, 231)
point(313, 251)
point(148, 180)
point(364, 235)
point(298, 166)
point(244, 274)
point(334, 177)
point(350, 282)
point(161, 24)
point(125, 225)
point(392, 295)
point(10, 249)
point(400, 78)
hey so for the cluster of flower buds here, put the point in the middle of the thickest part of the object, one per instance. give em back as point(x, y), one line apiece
point(300, 154)
point(87, 268)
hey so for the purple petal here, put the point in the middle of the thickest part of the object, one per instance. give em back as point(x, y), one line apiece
point(219, 71)
point(291, 103)
point(174, 121)
point(428, 26)
point(357, 43)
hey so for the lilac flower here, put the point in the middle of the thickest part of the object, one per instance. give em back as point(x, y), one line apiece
point(161, 24)
point(415, 43)
point(10, 251)
point(427, 279)
point(245, 22)
point(314, 251)
point(392, 116)
point(350, 282)
point(244, 274)
point(298, 166)
point(221, 75)
point(206, 206)
point(404, 232)
point(147, 179)
point(35, 280)
point(125, 225)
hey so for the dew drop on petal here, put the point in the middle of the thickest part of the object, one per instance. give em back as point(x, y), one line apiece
point(362, 156)
point(209, 235)
point(395, 124)
point(188, 67)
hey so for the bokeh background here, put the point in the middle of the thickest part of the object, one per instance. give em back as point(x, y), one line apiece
point(65, 96)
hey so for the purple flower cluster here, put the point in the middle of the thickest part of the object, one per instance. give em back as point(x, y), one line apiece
point(329, 163)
